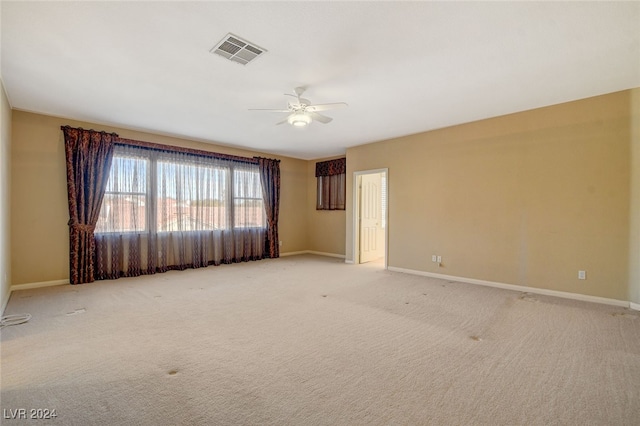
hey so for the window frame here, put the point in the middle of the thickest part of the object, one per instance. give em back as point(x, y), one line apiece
point(152, 159)
point(146, 194)
point(263, 217)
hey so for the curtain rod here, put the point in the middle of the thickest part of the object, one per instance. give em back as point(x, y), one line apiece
point(161, 147)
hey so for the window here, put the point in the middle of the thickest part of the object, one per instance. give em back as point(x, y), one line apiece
point(158, 208)
point(152, 191)
point(124, 206)
point(191, 197)
point(331, 184)
point(247, 199)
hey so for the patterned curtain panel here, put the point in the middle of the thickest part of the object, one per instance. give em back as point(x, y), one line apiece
point(331, 184)
point(270, 178)
point(88, 157)
point(166, 209)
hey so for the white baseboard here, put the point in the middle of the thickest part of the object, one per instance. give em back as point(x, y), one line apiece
point(348, 261)
point(319, 253)
point(514, 287)
point(546, 292)
point(28, 286)
point(294, 253)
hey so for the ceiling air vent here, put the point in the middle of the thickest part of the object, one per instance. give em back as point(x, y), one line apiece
point(237, 50)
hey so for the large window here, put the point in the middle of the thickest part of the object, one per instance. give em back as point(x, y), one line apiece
point(139, 207)
point(151, 191)
point(173, 210)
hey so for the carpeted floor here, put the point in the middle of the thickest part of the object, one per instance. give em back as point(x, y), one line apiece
point(308, 340)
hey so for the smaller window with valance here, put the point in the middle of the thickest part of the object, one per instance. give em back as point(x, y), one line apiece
point(332, 185)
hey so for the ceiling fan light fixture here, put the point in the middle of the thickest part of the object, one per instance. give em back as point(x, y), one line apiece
point(303, 112)
point(299, 119)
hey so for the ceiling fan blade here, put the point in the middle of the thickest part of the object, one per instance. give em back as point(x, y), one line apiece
point(319, 117)
point(304, 107)
point(324, 107)
point(297, 92)
point(270, 110)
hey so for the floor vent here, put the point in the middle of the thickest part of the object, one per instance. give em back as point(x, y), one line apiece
point(237, 50)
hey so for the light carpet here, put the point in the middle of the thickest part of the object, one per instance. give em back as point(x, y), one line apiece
point(309, 340)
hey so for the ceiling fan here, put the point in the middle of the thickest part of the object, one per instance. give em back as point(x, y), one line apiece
point(302, 112)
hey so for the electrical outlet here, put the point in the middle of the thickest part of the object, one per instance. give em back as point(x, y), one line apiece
point(280, 243)
point(582, 275)
point(439, 260)
point(434, 258)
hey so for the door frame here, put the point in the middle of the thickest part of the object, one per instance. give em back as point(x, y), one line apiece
point(356, 215)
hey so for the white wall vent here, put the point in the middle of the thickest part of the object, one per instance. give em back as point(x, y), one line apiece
point(237, 50)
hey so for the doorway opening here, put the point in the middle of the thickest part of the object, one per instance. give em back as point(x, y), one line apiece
point(371, 223)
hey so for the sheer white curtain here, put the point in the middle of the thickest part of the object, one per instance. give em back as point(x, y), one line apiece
point(173, 210)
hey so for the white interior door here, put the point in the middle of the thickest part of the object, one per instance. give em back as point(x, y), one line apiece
point(371, 230)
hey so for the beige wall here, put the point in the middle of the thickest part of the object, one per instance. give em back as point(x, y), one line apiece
point(326, 232)
point(5, 179)
point(634, 246)
point(526, 199)
point(39, 240)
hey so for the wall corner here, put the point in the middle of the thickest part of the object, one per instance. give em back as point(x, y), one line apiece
point(634, 200)
point(5, 195)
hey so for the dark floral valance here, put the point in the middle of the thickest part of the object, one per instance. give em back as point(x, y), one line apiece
point(331, 167)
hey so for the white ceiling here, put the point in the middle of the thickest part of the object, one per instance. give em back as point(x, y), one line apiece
point(403, 67)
